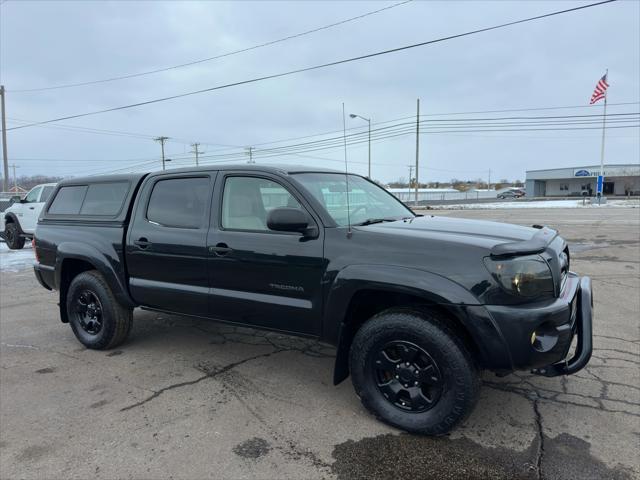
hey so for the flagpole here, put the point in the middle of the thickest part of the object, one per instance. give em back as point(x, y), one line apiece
point(604, 121)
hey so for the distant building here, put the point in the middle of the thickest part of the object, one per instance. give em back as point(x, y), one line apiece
point(409, 194)
point(619, 179)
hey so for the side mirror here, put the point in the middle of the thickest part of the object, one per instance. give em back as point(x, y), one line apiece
point(284, 219)
point(15, 199)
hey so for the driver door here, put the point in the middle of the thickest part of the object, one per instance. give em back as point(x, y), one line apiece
point(29, 211)
point(259, 276)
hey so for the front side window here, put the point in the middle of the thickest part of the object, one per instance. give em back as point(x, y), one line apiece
point(246, 202)
point(32, 196)
point(366, 201)
point(179, 202)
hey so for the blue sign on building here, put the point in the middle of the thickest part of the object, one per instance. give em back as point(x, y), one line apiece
point(582, 173)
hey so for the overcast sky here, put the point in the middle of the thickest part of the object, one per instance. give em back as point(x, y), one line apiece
point(552, 62)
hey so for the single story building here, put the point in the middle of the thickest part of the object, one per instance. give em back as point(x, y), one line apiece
point(619, 179)
point(409, 194)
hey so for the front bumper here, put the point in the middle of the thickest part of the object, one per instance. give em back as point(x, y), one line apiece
point(584, 346)
point(539, 336)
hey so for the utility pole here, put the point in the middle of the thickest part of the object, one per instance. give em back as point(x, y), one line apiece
point(417, 147)
point(5, 159)
point(15, 178)
point(250, 152)
point(410, 175)
point(196, 151)
point(162, 140)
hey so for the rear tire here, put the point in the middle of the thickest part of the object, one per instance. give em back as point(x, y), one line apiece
point(97, 319)
point(12, 236)
point(411, 371)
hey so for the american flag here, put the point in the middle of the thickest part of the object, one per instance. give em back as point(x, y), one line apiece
point(600, 90)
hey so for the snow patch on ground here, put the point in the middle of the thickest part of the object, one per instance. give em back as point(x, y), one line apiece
point(15, 260)
point(538, 204)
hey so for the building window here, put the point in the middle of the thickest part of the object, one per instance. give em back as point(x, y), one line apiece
point(564, 187)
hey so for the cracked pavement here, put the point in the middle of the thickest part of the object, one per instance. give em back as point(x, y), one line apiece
point(194, 399)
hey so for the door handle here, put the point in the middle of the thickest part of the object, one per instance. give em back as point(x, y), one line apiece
point(32, 208)
point(221, 249)
point(142, 242)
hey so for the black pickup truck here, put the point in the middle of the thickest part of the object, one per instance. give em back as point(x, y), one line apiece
point(416, 305)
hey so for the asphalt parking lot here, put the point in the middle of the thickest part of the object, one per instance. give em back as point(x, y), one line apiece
point(189, 399)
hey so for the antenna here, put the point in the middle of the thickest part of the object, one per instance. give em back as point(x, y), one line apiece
point(346, 171)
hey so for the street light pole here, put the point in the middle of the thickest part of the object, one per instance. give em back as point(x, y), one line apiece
point(368, 120)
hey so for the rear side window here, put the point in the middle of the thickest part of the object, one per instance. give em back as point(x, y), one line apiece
point(68, 200)
point(97, 199)
point(104, 198)
point(179, 202)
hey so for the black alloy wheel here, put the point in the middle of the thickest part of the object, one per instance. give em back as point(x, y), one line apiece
point(413, 371)
point(88, 312)
point(408, 376)
point(96, 317)
point(12, 236)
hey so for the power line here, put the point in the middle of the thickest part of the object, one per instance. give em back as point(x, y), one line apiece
point(528, 109)
point(100, 131)
point(316, 67)
point(431, 124)
point(390, 135)
point(216, 57)
point(437, 114)
point(439, 126)
point(376, 132)
point(241, 157)
point(142, 136)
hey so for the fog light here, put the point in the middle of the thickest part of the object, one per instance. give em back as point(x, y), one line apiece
point(544, 338)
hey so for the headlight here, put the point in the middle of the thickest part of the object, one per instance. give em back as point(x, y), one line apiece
point(527, 276)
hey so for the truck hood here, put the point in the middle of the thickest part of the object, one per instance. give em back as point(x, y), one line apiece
point(499, 238)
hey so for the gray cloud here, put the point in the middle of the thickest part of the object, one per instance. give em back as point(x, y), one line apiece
point(551, 62)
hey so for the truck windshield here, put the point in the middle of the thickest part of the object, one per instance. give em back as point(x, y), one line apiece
point(368, 203)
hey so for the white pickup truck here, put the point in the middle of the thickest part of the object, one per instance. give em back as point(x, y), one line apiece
point(18, 222)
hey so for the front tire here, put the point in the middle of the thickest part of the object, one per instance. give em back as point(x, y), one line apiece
point(411, 371)
point(97, 319)
point(12, 236)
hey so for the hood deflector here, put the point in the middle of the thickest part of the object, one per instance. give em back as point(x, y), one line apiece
point(536, 244)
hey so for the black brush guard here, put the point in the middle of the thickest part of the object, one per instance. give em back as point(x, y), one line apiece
point(584, 347)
